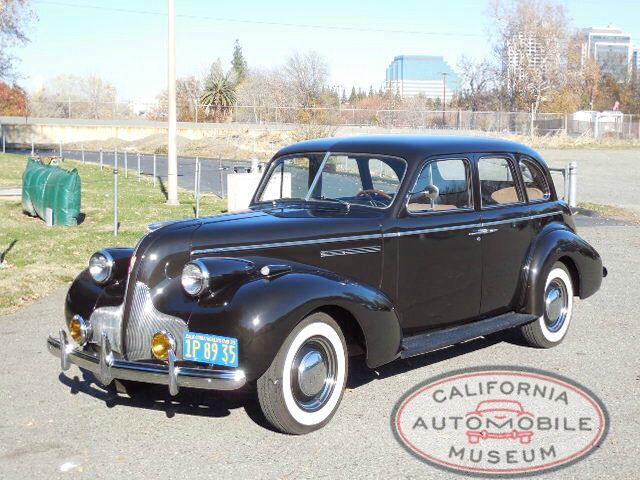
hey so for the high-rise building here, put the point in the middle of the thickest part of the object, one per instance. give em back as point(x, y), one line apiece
point(635, 63)
point(413, 75)
point(524, 54)
point(610, 48)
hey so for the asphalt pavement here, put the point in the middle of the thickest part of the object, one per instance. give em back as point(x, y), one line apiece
point(55, 425)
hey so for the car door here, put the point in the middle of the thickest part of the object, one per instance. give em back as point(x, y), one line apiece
point(439, 263)
point(505, 235)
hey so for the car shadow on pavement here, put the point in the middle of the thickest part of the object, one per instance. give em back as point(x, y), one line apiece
point(208, 403)
point(205, 403)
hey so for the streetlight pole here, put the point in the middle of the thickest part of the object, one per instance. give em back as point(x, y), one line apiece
point(444, 96)
point(172, 157)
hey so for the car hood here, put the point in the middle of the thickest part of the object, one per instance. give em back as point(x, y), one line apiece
point(264, 226)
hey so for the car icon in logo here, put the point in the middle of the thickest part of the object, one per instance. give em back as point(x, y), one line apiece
point(498, 419)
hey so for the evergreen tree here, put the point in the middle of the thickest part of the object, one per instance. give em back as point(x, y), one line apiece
point(354, 96)
point(371, 91)
point(344, 97)
point(238, 63)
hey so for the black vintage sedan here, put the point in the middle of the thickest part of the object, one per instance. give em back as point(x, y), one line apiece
point(387, 246)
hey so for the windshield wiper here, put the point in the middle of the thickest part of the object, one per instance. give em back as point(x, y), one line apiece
point(338, 200)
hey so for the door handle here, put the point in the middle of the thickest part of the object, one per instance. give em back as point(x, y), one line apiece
point(483, 231)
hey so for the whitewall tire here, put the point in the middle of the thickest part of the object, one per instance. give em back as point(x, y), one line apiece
point(551, 328)
point(303, 387)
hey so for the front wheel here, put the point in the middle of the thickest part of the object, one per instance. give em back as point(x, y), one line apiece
point(302, 388)
point(551, 328)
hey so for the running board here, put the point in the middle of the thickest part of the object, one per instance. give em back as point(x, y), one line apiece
point(427, 342)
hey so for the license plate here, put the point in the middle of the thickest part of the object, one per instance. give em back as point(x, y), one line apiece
point(212, 349)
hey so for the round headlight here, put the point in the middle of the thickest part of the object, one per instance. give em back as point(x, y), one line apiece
point(101, 266)
point(161, 343)
point(79, 330)
point(195, 278)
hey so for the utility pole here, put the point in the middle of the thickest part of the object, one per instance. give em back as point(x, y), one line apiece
point(172, 157)
point(444, 96)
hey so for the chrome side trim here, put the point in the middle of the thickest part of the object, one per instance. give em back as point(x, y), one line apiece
point(433, 230)
point(316, 241)
point(107, 367)
point(350, 251)
point(294, 243)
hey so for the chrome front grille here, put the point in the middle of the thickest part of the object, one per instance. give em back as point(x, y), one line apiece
point(109, 321)
point(145, 320)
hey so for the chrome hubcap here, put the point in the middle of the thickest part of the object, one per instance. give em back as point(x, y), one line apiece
point(313, 374)
point(556, 304)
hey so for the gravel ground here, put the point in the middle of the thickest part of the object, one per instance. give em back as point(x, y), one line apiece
point(65, 426)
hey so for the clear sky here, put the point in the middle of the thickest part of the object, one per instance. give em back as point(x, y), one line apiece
point(124, 41)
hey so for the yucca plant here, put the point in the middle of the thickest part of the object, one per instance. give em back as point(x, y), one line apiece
point(219, 95)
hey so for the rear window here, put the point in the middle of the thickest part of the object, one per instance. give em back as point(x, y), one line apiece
point(535, 182)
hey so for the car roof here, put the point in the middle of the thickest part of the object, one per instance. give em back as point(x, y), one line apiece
point(412, 148)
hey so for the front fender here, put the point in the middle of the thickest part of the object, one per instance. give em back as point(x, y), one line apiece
point(262, 311)
point(553, 244)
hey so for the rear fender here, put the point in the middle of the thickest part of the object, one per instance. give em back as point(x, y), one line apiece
point(557, 242)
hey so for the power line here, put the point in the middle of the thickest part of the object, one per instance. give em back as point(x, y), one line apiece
point(265, 22)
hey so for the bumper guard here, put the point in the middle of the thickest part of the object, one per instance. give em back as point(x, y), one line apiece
point(106, 368)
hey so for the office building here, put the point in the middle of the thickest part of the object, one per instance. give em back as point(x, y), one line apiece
point(413, 75)
point(610, 48)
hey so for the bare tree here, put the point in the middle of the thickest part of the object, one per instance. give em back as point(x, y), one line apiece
point(77, 97)
point(530, 41)
point(15, 16)
point(477, 82)
point(308, 74)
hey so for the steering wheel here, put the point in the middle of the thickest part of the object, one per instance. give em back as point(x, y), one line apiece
point(369, 191)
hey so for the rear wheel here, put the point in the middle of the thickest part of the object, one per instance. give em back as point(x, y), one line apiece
point(301, 390)
point(551, 328)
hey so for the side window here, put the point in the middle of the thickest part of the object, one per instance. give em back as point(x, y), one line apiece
point(442, 185)
point(383, 177)
point(497, 183)
point(534, 180)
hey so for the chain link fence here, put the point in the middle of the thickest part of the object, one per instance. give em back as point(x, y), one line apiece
point(583, 123)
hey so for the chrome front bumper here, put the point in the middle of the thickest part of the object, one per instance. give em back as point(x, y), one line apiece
point(106, 368)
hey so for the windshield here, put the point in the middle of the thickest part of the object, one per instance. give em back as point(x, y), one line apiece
point(363, 179)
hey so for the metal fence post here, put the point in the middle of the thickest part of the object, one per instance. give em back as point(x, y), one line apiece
point(154, 170)
point(60, 149)
point(198, 170)
point(138, 166)
point(101, 167)
point(115, 200)
point(220, 168)
point(33, 147)
point(82, 148)
point(572, 174)
point(126, 165)
point(4, 150)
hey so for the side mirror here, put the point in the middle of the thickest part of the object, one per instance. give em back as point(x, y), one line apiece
point(428, 195)
point(431, 192)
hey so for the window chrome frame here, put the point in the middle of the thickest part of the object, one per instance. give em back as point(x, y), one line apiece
point(547, 197)
point(468, 170)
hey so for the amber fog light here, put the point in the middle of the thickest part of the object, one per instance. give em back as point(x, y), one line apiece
point(161, 343)
point(79, 330)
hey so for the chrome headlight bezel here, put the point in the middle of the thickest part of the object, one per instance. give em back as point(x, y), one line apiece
point(195, 278)
point(84, 328)
point(105, 267)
